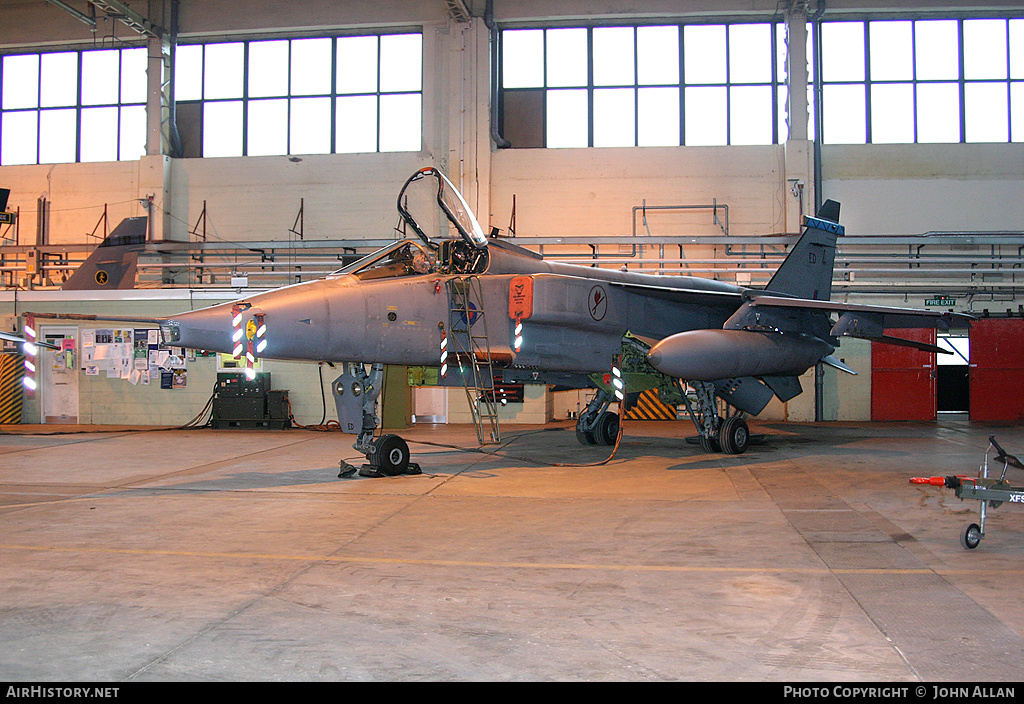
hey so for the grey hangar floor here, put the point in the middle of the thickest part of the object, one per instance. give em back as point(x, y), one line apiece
point(240, 555)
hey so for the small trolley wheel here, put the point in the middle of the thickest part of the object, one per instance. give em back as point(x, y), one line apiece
point(391, 455)
point(970, 536)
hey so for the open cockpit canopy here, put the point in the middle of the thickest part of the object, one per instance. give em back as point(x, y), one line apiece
point(454, 207)
point(441, 254)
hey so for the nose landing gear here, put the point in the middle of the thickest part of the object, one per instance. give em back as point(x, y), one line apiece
point(355, 396)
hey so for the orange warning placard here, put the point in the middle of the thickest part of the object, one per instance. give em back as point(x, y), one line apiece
point(520, 298)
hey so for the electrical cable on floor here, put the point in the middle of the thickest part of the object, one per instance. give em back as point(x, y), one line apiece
point(482, 450)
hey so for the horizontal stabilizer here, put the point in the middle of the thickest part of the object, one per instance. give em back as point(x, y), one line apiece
point(857, 319)
point(899, 341)
point(835, 363)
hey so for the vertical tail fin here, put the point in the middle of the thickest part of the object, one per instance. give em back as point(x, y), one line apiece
point(112, 263)
point(807, 270)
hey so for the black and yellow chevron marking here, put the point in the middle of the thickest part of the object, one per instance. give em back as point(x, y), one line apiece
point(12, 368)
point(650, 407)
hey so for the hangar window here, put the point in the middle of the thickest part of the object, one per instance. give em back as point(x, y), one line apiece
point(318, 95)
point(923, 81)
point(301, 96)
point(73, 106)
point(628, 86)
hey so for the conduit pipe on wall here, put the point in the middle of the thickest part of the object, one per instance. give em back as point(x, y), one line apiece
point(496, 136)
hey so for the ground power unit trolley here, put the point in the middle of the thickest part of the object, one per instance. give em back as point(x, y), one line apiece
point(989, 491)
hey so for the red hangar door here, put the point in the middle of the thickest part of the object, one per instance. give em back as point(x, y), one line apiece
point(903, 385)
point(997, 369)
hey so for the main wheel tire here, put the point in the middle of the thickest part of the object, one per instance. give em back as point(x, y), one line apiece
point(583, 437)
point(709, 444)
point(391, 455)
point(971, 536)
point(734, 436)
point(607, 430)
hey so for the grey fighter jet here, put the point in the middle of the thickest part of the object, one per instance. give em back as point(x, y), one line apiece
point(468, 307)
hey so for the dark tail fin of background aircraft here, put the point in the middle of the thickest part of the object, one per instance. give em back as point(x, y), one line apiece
point(112, 264)
point(807, 271)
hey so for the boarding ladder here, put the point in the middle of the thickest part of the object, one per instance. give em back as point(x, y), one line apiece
point(468, 327)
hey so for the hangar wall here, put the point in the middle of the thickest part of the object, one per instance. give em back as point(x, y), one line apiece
point(917, 188)
point(885, 189)
point(116, 401)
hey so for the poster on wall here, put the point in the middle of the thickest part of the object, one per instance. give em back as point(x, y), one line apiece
point(140, 350)
point(130, 355)
point(147, 343)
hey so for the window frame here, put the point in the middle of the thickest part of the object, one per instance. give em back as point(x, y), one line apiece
point(775, 83)
point(333, 94)
point(388, 137)
point(921, 87)
point(121, 107)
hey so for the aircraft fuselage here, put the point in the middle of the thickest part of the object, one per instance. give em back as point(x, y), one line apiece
point(394, 315)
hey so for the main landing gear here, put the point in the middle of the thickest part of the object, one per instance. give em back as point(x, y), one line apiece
point(715, 433)
point(599, 426)
point(596, 424)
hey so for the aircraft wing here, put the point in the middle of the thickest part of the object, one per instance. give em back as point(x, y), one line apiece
point(695, 294)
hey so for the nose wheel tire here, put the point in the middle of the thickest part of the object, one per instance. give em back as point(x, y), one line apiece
point(390, 455)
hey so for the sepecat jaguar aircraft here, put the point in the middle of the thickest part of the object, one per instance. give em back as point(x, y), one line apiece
point(472, 309)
